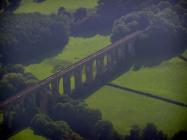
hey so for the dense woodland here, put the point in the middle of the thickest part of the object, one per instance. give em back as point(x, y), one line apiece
point(25, 38)
point(72, 119)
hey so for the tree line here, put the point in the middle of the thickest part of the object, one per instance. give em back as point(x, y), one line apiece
point(69, 119)
point(14, 79)
point(102, 18)
point(165, 35)
point(11, 5)
point(26, 37)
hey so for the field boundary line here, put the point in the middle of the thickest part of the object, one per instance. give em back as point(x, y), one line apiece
point(148, 95)
point(183, 58)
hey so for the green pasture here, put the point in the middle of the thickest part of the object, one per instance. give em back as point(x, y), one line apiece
point(185, 54)
point(26, 134)
point(124, 110)
point(51, 6)
point(77, 49)
point(169, 80)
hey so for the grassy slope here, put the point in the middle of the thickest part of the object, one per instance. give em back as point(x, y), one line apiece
point(51, 6)
point(76, 49)
point(125, 109)
point(168, 79)
point(185, 53)
point(26, 134)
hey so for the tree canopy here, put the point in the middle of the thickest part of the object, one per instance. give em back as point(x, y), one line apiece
point(24, 37)
point(9, 5)
point(164, 34)
point(13, 79)
point(56, 130)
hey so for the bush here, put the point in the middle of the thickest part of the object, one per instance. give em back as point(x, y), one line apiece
point(56, 130)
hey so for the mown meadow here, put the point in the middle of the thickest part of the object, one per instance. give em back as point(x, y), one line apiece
point(51, 6)
point(28, 134)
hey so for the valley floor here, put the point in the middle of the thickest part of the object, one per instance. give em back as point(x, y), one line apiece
point(125, 109)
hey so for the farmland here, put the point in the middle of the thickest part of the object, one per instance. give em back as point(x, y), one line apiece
point(76, 49)
point(123, 107)
point(51, 6)
point(26, 133)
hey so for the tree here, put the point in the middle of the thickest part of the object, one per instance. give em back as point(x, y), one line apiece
point(180, 135)
point(80, 14)
point(110, 10)
point(11, 83)
point(63, 11)
point(163, 35)
point(56, 130)
point(104, 130)
point(24, 37)
point(80, 118)
point(9, 5)
point(150, 132)
point(13, 80)
point(135, 133)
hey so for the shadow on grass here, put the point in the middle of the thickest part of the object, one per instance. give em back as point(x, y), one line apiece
point(150, 95)
point(183, 58)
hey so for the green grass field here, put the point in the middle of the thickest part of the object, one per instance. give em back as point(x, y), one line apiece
point(168, 80)
point(76, 49)
point(26, 134)
point(124, 110)
point(185, 54)
point(51, 6)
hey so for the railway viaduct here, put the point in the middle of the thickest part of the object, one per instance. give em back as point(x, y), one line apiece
point(89, 74)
